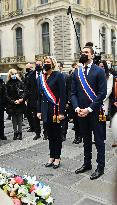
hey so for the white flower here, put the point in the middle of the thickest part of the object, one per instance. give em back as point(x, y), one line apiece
point(49, 200)
point(23, 190)
point(29, 199)
point(31, 180)
point(44, 192)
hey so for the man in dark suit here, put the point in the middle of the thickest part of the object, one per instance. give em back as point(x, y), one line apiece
point(88, 92)
point(31, 95)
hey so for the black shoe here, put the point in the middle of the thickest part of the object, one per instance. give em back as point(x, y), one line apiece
point(15, 135)
point(45, 137)
point(55, 166)
point(3, 138)
point(36, 137)
point(20, 135)
point(83, 169)
point(30, 130)
point(97, 174)
point(49, 164)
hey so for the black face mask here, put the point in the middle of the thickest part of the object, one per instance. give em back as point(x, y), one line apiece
point(83, 58)
point(38, 67)
point(47, 67)
point(28, 70)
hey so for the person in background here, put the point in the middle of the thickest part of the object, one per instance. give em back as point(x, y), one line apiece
point(28, 113)
point(71, 112)
point(64, 122)
point(2, 107)
point(113, 106)
point(15, 106)
point(51, 108)
point(109, 78)
point(31, 96)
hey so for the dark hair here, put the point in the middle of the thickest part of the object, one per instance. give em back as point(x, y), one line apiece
point(74, 64)
point(61, 64)
point(105, 67)
point(91, 49)
point(89, 44)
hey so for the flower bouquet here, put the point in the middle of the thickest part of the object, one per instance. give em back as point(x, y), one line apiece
point(25, 190)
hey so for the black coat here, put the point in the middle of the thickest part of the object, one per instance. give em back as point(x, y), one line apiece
point(14, 91)
point(31, 91)
point(2, 94)
point(56, 83)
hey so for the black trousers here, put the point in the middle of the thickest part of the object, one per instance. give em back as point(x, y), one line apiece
point(64, 126)
point(88, 125)
point(34, 121)
point(29, 115)
point(76, 124)
point(55, 140)
point(1, 123)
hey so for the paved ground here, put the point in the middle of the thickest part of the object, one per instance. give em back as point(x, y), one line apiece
point(28, 157)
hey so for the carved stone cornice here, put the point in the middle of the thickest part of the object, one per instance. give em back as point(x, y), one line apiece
point(12, 60)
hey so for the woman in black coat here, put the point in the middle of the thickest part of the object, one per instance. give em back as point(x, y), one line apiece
point(15, 106)
point(2, 107)
point(51, 107)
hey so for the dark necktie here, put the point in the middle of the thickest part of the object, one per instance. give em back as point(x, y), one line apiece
point(85, 70)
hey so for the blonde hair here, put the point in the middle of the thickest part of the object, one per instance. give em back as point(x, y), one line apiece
point(11, 72)
point(53, 61)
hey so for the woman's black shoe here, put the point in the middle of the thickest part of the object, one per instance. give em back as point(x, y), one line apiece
point(55, 166)
point(49, 164)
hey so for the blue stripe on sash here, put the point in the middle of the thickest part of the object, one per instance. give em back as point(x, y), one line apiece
point(86, 87)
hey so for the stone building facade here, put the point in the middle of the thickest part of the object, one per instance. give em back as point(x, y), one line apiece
point(30, 29)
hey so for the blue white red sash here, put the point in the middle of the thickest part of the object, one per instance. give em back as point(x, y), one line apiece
point(47, 91)
point(85, 85)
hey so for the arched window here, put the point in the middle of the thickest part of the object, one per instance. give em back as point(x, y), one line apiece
point(78, 1)
point(19, 4)
point(113, 39)
point(103, 35)
point(44, 1)
point(45, 38)
point(78, 29)
point(19, 48)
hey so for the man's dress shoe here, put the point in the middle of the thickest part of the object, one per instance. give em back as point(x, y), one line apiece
point(83, 169)
point(97, 174)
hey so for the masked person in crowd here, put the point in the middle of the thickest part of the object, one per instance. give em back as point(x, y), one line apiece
point(71, 112)
point(51, 108)
point(109, 78)
point(87, 95)
point(64, 122)
point(31, 96)
point(2, 107)
point(15, 106)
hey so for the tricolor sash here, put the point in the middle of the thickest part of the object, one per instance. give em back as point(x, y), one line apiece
point(85, 85)
point(47, 91)
point(51, 97)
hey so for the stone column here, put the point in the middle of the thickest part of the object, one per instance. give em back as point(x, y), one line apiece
point(106, 6)
point(101, 5)
point(114, 7)
point(108, 40)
